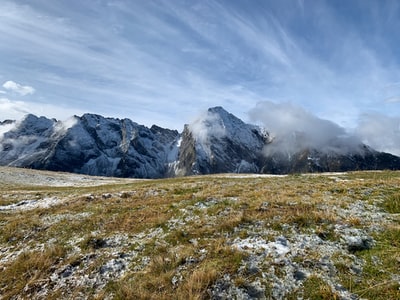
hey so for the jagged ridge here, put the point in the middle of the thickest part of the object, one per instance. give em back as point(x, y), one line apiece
point(90, 144)
point(217, 142)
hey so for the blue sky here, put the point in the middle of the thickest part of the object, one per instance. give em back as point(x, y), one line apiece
point(163, 62)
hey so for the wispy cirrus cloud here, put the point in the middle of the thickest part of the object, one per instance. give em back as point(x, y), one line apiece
point(393, 100)
point(156, 61)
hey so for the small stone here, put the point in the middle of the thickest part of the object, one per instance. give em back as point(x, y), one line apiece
point(106, 196)
point(358, 243)
point(282, 240)
point(255, 290)
point(264, 206)
point(299, 275)
point(355, 270)
point(194, 242)
point(90, 197)
point(252, 268)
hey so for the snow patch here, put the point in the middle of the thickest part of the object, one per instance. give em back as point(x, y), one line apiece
point(31, 204)
point(278, 248)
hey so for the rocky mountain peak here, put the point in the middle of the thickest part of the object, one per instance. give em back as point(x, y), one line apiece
point(32, 124)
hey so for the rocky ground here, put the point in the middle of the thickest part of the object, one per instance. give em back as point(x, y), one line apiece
point(29, 177)
point(326, 236)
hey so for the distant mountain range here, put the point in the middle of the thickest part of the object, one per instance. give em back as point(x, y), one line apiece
point(217, 142)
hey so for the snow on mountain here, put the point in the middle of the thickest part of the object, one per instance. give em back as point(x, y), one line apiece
point(217, 142)
point(90, 144)
point(25, 141)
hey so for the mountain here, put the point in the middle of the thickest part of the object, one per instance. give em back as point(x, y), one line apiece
point(217, 142)
point(312, 160)
point(90, 144)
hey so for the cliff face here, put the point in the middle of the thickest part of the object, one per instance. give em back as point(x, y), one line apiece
point(217, 142)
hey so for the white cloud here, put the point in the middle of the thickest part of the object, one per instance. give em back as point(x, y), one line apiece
point(380, 131)
point(5, 128)
point(22, 90)
point(16, 110)
point(12, 109)
point(206, 125)
point(295, 129)
point(393, 100)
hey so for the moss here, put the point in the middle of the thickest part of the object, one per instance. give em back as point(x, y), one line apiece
point(313, 288)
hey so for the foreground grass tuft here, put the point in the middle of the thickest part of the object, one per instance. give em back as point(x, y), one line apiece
point(392, 203)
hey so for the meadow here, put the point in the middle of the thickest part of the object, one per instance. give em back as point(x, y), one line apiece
point(300, 236)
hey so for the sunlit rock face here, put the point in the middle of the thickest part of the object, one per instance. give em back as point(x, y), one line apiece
point(219, 142)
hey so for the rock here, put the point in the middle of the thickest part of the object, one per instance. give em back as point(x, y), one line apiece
point(299, 275)
point(264, 206)
point(106, 196)
point(96, 243)
point(255, 290)
point(358, 243)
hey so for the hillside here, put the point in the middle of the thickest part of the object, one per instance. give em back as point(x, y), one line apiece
point(325, 236)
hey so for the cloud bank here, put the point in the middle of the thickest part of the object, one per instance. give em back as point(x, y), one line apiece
point(294, 129)
point(17, 109)
point(381, 132)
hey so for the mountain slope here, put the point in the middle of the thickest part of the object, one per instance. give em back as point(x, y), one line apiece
point(217, 142)
point(90, 144)
point(313, 160)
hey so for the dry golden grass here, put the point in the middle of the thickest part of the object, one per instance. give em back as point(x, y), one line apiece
point(209, 211)
point(30, 271)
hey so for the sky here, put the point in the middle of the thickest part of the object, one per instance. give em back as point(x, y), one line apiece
point(163, 62)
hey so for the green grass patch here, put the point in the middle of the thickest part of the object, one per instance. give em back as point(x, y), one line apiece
point(382, 264)
point(313, 288)
point(391, 203)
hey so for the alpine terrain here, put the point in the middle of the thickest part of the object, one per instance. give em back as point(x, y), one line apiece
point(217, 142)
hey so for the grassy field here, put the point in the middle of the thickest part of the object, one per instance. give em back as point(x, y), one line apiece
point(326, 236)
